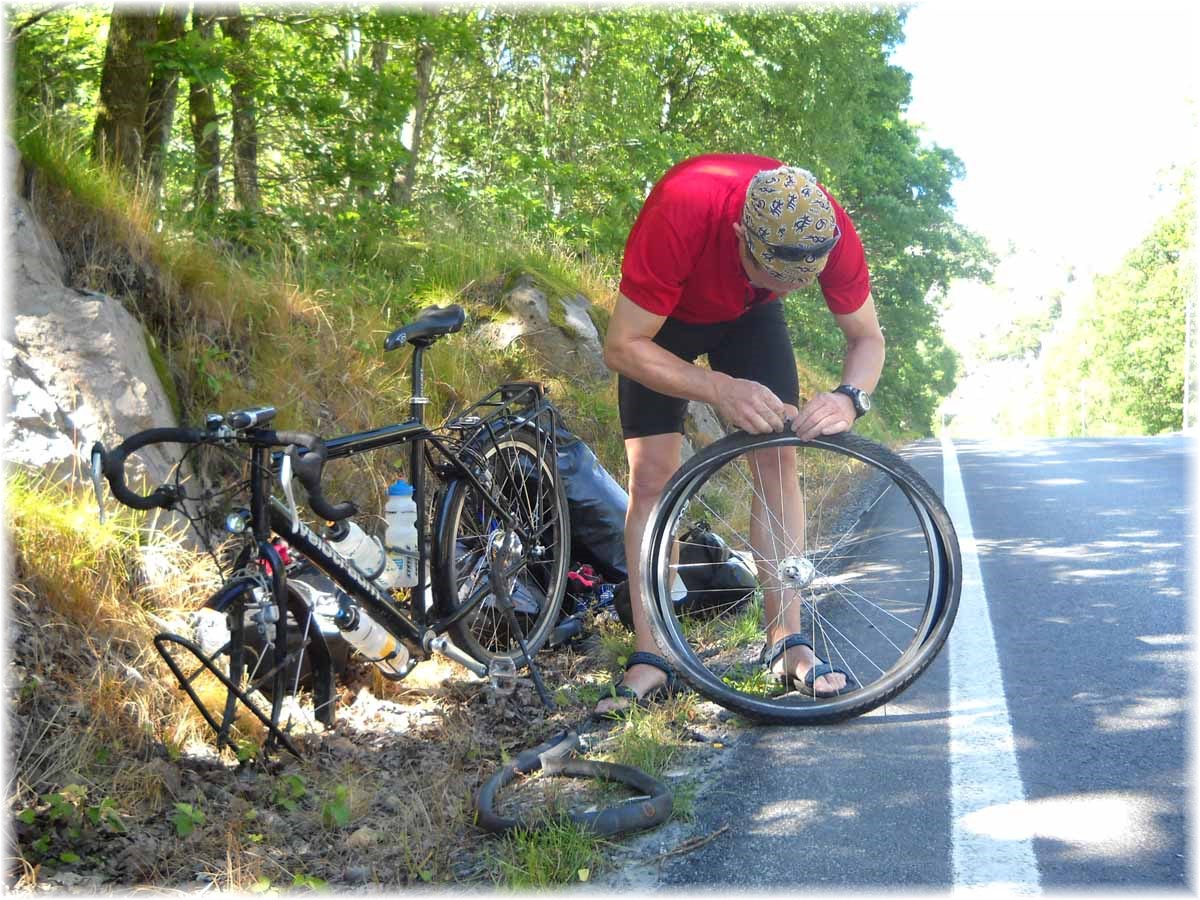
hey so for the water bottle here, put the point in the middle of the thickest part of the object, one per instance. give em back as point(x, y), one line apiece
point(401, 537)
point(369, 638)
point(350, 541)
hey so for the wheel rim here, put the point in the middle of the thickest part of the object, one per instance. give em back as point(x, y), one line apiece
point(524, 479)
point(866, 578)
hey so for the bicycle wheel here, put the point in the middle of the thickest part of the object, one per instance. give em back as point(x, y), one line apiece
point(274, 669)
point(521, 478)
point(852, 550)
point(239, 631)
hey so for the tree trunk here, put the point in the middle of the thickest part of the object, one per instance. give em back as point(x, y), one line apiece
point(160, 106)
point(206, 135)
point(547, 136)
point(245, 116)
point(124, 90)
point(379, 58)
point(402, 188)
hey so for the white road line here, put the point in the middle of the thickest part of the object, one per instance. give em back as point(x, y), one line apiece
point(984, 780)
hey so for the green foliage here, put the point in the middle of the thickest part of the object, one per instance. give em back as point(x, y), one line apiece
point(545, 122)
point(312, 882)
point(1023, 339)
point(63, 822)
point(288, 791)
point(186, 818)
point(335, 812)
point(645, 740)
point(557, 852)
point(56, 61)
point(1119, 367)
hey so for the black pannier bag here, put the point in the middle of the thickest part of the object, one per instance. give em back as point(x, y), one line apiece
point(596, 503)
point(718, 581)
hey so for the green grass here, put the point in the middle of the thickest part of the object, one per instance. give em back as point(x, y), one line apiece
point(558, 853)
point(647, 738)
point(616, 644)
point(752, 680)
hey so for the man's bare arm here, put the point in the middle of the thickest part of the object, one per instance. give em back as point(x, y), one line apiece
point(829, 413)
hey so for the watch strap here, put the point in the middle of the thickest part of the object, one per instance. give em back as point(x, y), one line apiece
point(857, 396)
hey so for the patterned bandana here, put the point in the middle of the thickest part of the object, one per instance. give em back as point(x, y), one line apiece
point(790, 223)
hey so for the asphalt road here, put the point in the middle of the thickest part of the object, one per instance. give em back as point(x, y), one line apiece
point(1082, 551)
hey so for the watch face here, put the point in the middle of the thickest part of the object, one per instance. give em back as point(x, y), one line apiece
point(860, 398)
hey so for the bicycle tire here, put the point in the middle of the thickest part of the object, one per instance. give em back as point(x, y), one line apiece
point(522, 469)
point(276, 660)
point(879, 594)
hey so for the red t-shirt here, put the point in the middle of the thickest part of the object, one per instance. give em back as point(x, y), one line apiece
point(681, 258)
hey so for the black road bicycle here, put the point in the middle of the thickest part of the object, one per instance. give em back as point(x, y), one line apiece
point(492, 534)
point(854, 552)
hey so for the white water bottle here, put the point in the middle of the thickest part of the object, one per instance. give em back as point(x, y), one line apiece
point(370, 639)
point(350, 541)
point(401, 537)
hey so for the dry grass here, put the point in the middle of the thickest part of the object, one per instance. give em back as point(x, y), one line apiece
point(402, 765)
point(84, 619)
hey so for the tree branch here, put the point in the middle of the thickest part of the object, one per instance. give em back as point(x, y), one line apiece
point(16, 32)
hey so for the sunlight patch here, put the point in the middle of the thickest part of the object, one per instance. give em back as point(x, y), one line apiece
point(1152, 712)
point(1092, 826)
point(1162, 640)
point(796, 813)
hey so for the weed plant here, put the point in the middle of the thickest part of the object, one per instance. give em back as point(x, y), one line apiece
point(557, 853)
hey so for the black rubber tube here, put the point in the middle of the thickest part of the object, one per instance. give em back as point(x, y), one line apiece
point(631, 815)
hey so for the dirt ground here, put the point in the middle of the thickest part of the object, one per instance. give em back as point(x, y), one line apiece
point(383, 800)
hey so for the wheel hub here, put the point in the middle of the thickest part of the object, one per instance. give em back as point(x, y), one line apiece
point(505, 549)
point(797, 571)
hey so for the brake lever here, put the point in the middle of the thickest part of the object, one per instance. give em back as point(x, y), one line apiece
point(285, 481)
point(98, 478)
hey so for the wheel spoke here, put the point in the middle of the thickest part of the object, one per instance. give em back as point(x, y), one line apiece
point(522, 484)
point(851, 555)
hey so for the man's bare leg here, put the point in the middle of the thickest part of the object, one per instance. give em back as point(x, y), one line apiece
point(776, 531)
point(652, 462)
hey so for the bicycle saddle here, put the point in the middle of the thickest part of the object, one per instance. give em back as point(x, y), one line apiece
point(430, 324)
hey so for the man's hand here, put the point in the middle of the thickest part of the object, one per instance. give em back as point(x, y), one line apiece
point(825, 413)
point(750, 406)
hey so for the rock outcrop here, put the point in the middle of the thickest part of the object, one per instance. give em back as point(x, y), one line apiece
point(569, 340)
point(79, 369)
point(574, 346)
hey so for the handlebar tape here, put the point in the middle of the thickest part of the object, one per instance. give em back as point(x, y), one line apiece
point(307, 468)
point(113, 463)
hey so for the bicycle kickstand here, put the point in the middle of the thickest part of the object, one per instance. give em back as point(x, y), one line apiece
point(504, 550)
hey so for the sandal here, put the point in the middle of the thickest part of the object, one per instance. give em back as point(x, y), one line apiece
point(618, 688)
point(771, 655)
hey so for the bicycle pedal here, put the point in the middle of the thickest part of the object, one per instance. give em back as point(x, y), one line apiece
point(502, 673)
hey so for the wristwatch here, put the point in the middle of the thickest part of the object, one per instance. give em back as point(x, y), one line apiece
point(861, 399)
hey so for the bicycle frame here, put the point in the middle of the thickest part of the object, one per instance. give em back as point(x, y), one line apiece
point(509, 407)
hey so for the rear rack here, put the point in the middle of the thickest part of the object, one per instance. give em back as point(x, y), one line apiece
point(514, 405)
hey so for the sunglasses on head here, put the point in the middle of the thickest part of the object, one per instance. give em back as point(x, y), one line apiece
point(806, 253)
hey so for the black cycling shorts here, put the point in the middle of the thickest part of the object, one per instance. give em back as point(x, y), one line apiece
point(755, 346)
